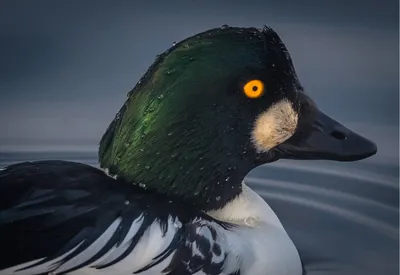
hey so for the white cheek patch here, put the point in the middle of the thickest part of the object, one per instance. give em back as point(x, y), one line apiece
point(274, 126)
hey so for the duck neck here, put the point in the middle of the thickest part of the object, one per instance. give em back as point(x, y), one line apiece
point(194, 182)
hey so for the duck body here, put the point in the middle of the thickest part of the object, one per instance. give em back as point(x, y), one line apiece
point(171, 199)
point(60, 217)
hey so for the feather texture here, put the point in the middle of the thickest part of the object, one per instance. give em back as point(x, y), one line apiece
point(72, 217)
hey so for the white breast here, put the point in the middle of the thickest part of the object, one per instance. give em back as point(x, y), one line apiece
point(265, 250)
point(262, 246)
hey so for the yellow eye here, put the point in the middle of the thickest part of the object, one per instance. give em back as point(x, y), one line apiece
point(254, 89)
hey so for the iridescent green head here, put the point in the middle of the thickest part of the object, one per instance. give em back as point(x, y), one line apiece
point(212, 108)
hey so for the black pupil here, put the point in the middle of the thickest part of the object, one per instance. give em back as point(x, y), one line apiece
point(255, 88)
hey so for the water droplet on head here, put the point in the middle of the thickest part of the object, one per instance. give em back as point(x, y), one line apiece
point(174, 43)
point(141, 150)
point(227, 179)
point(218, 198)
point(173, 155)
point(151, 110)
point(170, 134)
point(147, 167)
point(142, 185)
point(127, 144)
point(126, 202)
point(160, 97)
point(224, 26)
point(201, 168)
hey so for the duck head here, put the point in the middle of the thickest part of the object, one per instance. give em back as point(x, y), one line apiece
point(213, 107)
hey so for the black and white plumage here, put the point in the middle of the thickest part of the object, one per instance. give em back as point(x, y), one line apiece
point(76, 216)
point(59, 217)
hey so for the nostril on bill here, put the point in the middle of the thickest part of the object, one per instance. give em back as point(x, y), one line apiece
point(338, 135)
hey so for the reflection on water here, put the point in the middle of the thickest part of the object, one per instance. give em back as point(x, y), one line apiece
point(343, 217)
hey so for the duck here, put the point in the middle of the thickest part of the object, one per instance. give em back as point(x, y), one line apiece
point(169, 195)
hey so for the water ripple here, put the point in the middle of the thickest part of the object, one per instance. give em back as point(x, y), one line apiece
point(381, 227)
point(342, 171)
point(260, 184)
